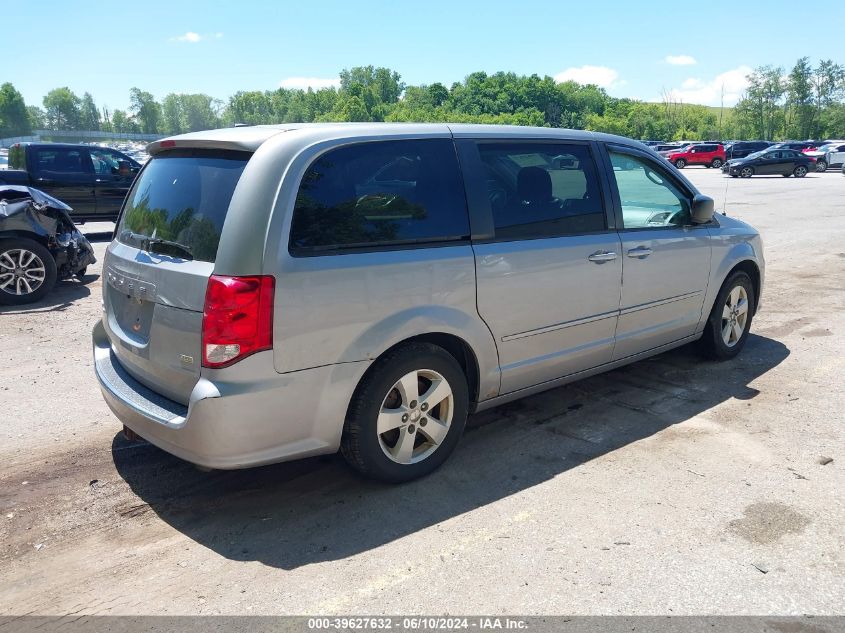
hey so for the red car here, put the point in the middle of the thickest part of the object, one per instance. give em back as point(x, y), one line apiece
point(707, 154)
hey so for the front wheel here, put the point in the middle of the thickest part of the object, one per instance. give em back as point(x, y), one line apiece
point(680, 163)
point(717, 162)
point(730, 319)
point(746, 172)
point(27, 271)
point(407, 415)
point(800, 171)
point(821, 165)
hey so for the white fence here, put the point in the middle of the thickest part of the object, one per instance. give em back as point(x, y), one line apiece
point(78, 135)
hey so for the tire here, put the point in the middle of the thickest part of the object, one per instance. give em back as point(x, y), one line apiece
point(80, 274)
point(746, 172)
point(20, 285)
point(716, 343)
point(381, 455)
point(800, 171)
point(734, 176)
point(717, 162)
point(821, 165)
point(680, 163)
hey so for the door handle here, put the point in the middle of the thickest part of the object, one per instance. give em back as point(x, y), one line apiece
point(641, 252)
point(600, 257)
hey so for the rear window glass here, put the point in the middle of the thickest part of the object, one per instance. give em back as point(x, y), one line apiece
point(380, 194)
point(179, 203)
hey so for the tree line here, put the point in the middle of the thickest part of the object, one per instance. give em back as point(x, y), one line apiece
point(806, 102)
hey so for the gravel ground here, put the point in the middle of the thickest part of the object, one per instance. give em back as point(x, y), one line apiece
point(672, 486)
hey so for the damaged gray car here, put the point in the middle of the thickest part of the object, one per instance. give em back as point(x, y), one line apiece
point(39, 244)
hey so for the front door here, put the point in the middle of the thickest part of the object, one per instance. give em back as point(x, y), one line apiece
point(113, 175)
point(665, 259)
point(548, 279)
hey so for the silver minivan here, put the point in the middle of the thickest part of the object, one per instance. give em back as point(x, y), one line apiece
point(275, 292)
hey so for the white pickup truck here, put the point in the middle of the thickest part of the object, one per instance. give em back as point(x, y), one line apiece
point(830, 155)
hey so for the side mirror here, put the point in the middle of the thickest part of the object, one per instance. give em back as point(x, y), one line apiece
point(702, 209)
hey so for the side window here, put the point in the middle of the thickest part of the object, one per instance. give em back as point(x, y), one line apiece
point(380, 193)
point(61, 161)
point(106, 161)
point(649, 198)
point(542, 189)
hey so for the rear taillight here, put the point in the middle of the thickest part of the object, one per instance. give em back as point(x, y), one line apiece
point(237, 319)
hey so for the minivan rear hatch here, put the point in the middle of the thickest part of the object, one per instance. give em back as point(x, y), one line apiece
point(156, 269)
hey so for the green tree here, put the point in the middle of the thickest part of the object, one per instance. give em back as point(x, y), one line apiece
point(199, 112)
point(799, 100)
point(145, 109)
point(89, 114)
point(62, 107)
point(121, 122)
point(172, 115)
point(37, 117)
point(14, 120)
point(828, 81)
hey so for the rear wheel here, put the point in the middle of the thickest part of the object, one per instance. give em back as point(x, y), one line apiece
point(800, 171)
point(680, 163)
point(717, 162)
point(730, 319)
point(821, 165)
point(746, 172)
point(407, 415)
point(27, 271)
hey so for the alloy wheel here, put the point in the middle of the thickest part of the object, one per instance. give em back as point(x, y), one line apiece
point(734, 316)
point(21, 271)
point(415, 416)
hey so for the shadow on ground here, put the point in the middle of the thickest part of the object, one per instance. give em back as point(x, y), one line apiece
point(65, 294)
point(295, 514)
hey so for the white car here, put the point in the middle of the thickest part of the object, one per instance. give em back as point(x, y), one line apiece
point(830, 155)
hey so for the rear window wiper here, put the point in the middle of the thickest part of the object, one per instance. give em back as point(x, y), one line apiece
point(151, 242)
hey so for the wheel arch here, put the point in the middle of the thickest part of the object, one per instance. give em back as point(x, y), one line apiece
point(750, 268)
point(455, 346)
point(28, 235)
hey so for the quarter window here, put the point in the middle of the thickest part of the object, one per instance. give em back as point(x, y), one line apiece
point(542, 189)
point(380, 193)
point(649, 198)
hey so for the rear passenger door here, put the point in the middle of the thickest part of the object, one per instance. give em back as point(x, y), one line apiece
point(665, 259)
point(549, 272)
point(64, 173)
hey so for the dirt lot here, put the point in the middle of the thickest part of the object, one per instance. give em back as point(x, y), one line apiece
point(673, 486)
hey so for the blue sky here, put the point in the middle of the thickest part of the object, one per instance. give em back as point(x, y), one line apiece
point(634, 50)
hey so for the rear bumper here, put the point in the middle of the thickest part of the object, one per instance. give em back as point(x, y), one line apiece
point(261, 418)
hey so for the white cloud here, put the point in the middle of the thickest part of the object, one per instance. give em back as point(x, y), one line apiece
point(310, 82)
point(695, 90)
point(680, 60)
point(192, 37)
point(601, 76)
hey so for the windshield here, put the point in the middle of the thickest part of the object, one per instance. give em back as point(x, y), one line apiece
point(757, 154)
point(179, 202)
